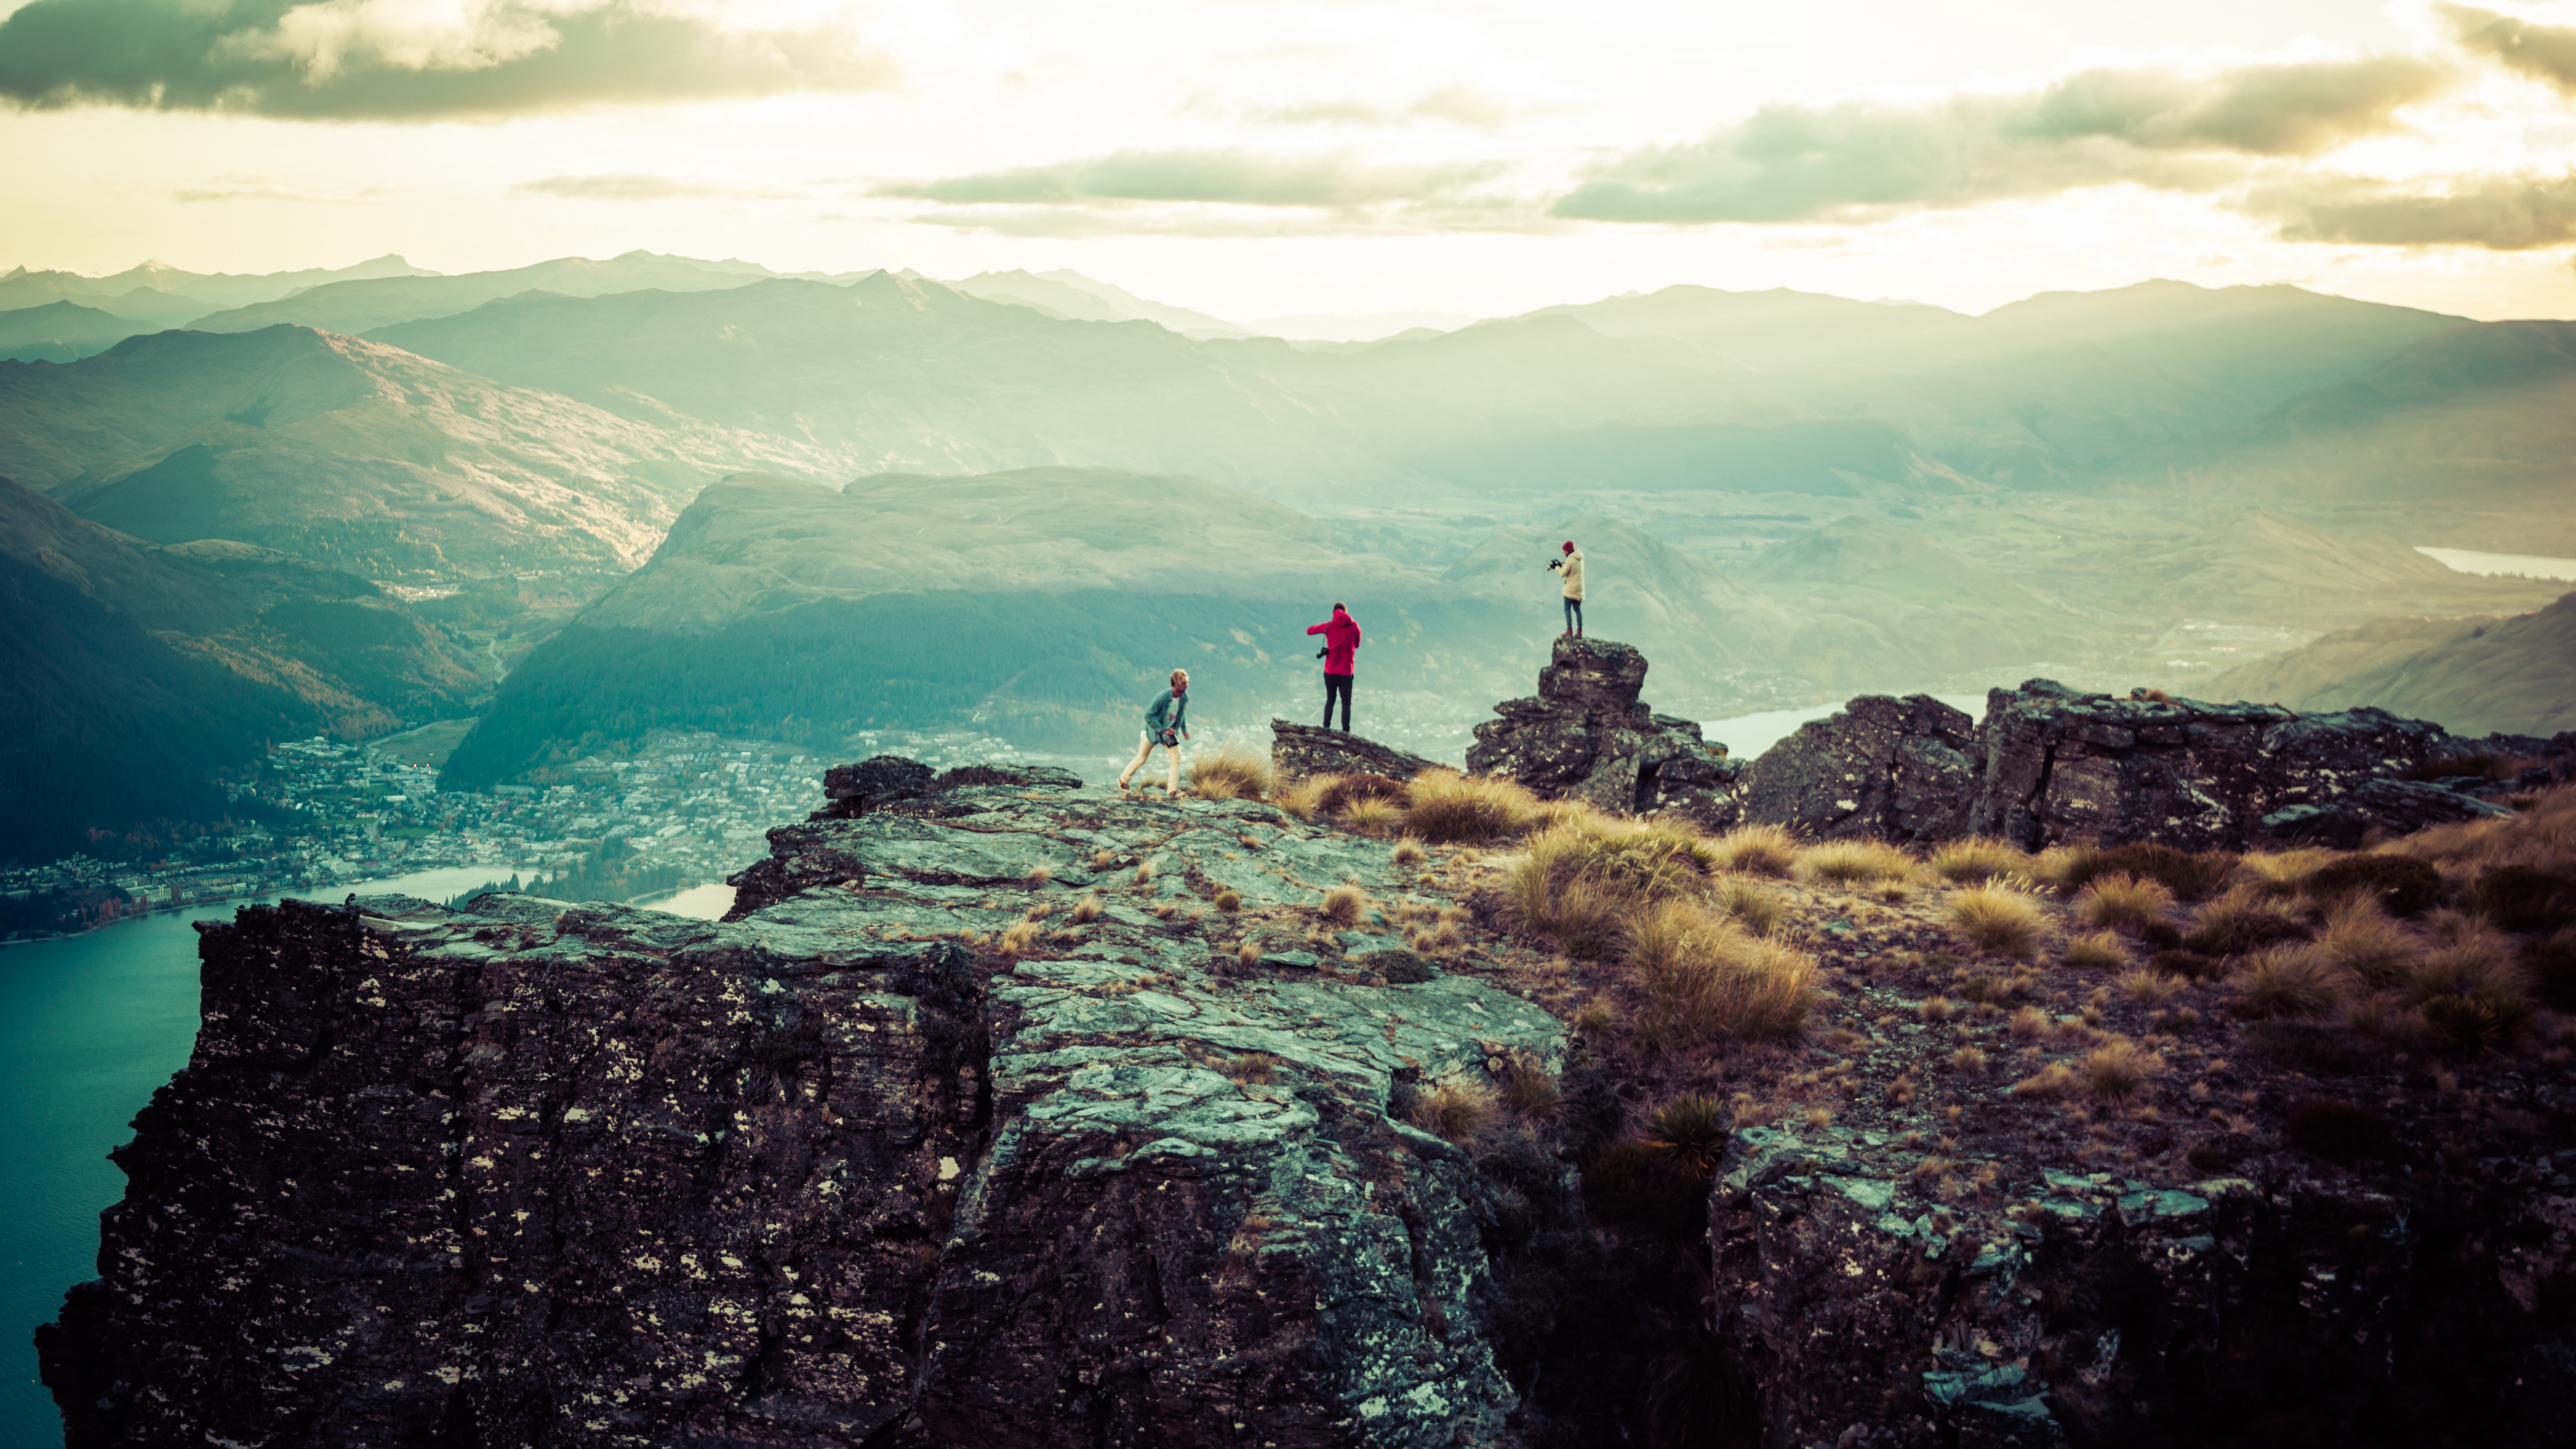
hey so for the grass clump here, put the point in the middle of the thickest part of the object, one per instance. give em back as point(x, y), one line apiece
point(1756, 850)
point(1302, 798)
point(1693, 1128)
point(2401, 885)
point(2291, 981)
point(1455, 1109)
point(1976, 860)
point(1371, 815)
point(2190, 875)
point(2151, 988)
point(2123, 902)
point(2525, 898)
point(2097, 951)
point(2049, 1083)
point(1998, 920)
point(1088, 909)
point(1231, 773)
point(2241, 922)
point(2358, 937)
point(1528, 1088)
point(1854, 863)
point(1579, 880)
point(1444, 806)
point(2118, 1070)
point(1409, 851)
point(1752, 907)
point(1342, 905)
point(1229, 901)
point(1705, 980)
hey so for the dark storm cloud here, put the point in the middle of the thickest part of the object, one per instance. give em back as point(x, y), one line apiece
point(2543, 52)
point(345, 60)
point(2154, 128)
point(2499, 213)
point(1242, 178)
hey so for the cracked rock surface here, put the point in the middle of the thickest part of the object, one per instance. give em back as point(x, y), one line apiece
point(821, 1175)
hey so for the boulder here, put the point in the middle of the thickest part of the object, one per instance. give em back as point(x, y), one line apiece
point(1587, 736)
point(1299, 750)
point(871, 784)
point(2378, 808)
point(1888, 769)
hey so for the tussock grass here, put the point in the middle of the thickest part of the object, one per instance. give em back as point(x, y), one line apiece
point(1443, 805)
point(2151, 988)
point(1853, 862)
point(1528, 1088)
point(1756, 850)
point(2029, 1024)
point(2190, 875)
point(2282, 870)
point(2360, 938)
point(1978, 859)
point(1020, 938)
point(1968, 1059)
point(1409, 851)
point(2399, 884)
point(1936, 1008)
point(1371, 815)
point(2123, 902)
point(1998, 920)
point(2291, 981)
point(2050, 1083)
point(2118, 1070)
point(1229, 901)
point(2243, 921)
point(2468, 957)
point(1578, 880)
point(2097, 951)
point(1088, 909)
point(1303, 798)
point(1756, 909)
point(1456, 1109)
point(1231, 772)
point(1342, 905)
point(1705, 980)
point(1693, 1128)
point(2065, 869)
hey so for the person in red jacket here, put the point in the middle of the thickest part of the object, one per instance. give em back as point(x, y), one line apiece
point(1341, 640)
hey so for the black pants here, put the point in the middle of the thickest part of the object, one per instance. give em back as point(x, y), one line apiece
point(1337, 685)
point(1574, 616)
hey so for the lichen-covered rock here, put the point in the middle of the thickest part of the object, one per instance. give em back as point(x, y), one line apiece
point(817, 1176)
point(2384, 807)
point(1299, 750)
point(872, 783)
point(1889, 769)
point(1586, 736)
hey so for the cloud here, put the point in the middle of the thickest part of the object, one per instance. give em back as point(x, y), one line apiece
point(1464, 105)
point(1859, 160)
point(2499, 213)
point(2543, 52)
point(638, 186)
point(1334, 180)
point(407, 60)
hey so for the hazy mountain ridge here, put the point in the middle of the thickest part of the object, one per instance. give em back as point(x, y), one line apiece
point(2473, 676)
point(62, 331)
point(364, 305)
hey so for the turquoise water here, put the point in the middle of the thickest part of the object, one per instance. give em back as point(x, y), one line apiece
point(89, 1027)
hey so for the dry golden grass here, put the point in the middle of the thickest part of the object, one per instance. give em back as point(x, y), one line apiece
point(1248, 954)
point(1231, 772)
point(2097, 951)
point(1088, 909)
point(1756, 850)
point(1229, 901)
point(2292, 981)
point(2151, 988)
point(2049, 1083)
point(2243, 921)
point(1596, 1016)
point(1977, 859)
point(1853, 862)
point(1020, 938)
point(1369, 815)
point(1409, 851)
point(1705, 980)
point(1578, 879)
point(2283, 869)
point(1342, 904)
point(1971, 1060)
point(2029, 1024)
point(2124, 902)
point(1303, 798)
point(1443, 805)
point(2062, 867)
point(1756, 909)
point(2542, 835)
point(1578, 911)
point(1936, 1008)
point(2468, 957)
point(2364, 940)
point(2117, 1070)
point(1144, 872)
point(1528, 1088)
point(1999, 921)
point(1041, 874)
point(1455, 1109)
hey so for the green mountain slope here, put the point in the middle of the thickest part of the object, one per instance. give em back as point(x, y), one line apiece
point(62, 332)
point(2475, 676)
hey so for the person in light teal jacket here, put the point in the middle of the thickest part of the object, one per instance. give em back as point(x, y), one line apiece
point(1167, 723)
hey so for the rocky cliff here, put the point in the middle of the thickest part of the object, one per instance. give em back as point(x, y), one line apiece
point(1587, 736)
point(829, 1174)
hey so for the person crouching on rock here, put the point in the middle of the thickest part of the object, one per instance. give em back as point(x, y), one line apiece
point(1167, 723)
point(1341, 640)
point(1572, 565)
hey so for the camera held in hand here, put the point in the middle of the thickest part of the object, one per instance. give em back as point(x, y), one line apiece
point(1554, 564)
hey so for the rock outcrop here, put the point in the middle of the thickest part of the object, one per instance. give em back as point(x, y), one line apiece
point(1888, 769)
point(1587, 736)
point(823, 1175)
point(1299, 750)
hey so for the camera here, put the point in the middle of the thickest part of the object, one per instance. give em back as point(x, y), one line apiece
point(1320, 653)
point(1554, 564)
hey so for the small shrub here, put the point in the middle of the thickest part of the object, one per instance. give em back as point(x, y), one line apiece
point(2479, 1022)
point(2029, 1024)
point(1455, 1109)
point(1854, 862)
point(2340, 1132)
point(1088, 909)
point(1528, 1088)
point(1342, 905)
point(1443, 805)
point(1369, 815)
point(2151, 988)
point(2290, 981)
point(1705, 980)
point(1399, 967)
point(1251, 1068)
point(1998, 920)
point(2117, 1070)
point(1229, 901)
point(2525, 898)
point(1971, 1060)
point(1756, 850)
point(1936, 1008)
point(1976, 860)
point(1409, 851)
point(2099, 951)
point(2401, 885)
point(1231, 773)
point(2123, 901)
point(2241, 922)
point(1693, 1128)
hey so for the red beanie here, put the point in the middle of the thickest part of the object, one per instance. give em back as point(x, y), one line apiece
point(1569, 545)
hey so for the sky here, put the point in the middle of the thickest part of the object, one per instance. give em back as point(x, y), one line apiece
point(1252, 158)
